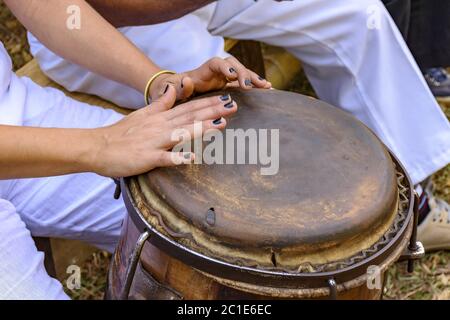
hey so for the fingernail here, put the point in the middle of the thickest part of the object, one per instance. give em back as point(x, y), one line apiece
point(187, 156)
point(225, 97)
point(182, 85)
point(165, 90)
point(248, 82)
point(232, 70)
point(217, 121)
point(261, 78)
point(229, 105)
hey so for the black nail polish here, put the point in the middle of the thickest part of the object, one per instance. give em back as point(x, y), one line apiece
point(229, 105)
point(261, 78)
point(187, 156)
point(217, 121)
point(248, 82)
point(232, 70)
point(165, 90)
point(225, 97)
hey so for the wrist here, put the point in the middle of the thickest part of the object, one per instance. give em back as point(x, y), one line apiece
point(91, 153)
point(156, 83)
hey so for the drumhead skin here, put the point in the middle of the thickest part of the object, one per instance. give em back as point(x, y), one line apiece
point(334, 195)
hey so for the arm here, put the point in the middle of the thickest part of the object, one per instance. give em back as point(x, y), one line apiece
point(97, 46)
point(144, 12)
point(136, 144)
point(39, 152)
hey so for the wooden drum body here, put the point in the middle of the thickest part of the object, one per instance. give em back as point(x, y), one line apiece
point(336, 215)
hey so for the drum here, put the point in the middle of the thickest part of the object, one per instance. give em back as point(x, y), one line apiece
point(337, 212)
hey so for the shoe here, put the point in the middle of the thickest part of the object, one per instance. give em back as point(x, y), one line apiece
point(434, 231)
point(439, 81)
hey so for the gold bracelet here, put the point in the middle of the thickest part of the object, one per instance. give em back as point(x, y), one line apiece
point(150, 82)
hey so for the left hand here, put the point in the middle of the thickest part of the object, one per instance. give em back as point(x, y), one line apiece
point(215, 74)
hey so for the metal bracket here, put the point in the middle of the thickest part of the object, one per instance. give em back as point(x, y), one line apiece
point(333, 289)
point(132, 265)
point(415, 249)
point(413, 254)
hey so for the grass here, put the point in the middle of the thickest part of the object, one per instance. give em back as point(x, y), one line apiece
point(93, 278)
point(430, 279)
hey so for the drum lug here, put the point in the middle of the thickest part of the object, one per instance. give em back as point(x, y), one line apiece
point(415, 252)
point(415, 249)
point(118, 190)
point(132, 265)
point(333, 289)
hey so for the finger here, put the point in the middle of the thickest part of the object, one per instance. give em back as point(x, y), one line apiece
point(161, 86)
point(165, 101)
point(234, 84)
point(197, 104)
point(225, 68)
point(258, 81)
point(170, 159)
point(244, 75)
point(187, 88)
point(213, 112)
point(192, 131)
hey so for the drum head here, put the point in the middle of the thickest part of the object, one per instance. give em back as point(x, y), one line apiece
point(334, 194)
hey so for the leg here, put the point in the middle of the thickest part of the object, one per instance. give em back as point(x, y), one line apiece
point(22, 271)
point(356, 59)
point(78, 206)
point(162, 43)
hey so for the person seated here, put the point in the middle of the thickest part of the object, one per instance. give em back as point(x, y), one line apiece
point(58, 155)
point(351, 50)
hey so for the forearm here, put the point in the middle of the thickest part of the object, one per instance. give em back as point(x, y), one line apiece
point(39, 152)
point(144, 12)
point(97, 45)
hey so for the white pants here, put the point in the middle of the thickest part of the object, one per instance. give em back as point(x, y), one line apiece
point(351, 51)
point(77, 206)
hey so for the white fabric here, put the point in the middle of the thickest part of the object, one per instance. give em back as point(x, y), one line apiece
point(78, 206)
point(367, 71)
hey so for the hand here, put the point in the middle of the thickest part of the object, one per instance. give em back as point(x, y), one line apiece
point(215, 74)
point(142, 141)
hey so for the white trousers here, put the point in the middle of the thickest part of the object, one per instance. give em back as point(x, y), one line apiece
point(351, 51)
point(77, 206)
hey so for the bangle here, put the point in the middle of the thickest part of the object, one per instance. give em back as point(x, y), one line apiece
point(150, 82)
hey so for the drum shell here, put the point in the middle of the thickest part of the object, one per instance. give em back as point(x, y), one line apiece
point(169, 268)
point(160, 276)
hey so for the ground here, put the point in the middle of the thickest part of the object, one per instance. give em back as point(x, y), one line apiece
point(430, 280)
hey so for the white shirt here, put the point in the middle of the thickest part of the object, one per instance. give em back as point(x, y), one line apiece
point(12, 92)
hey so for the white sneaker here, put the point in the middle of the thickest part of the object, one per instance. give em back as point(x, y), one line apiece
point(434, 231)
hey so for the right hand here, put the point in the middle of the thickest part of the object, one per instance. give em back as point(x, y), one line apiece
point(214, 74)
point(142, 140)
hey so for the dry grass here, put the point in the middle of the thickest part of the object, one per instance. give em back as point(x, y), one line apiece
point(430, 279)
point(93, 278)
point(14, 38)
